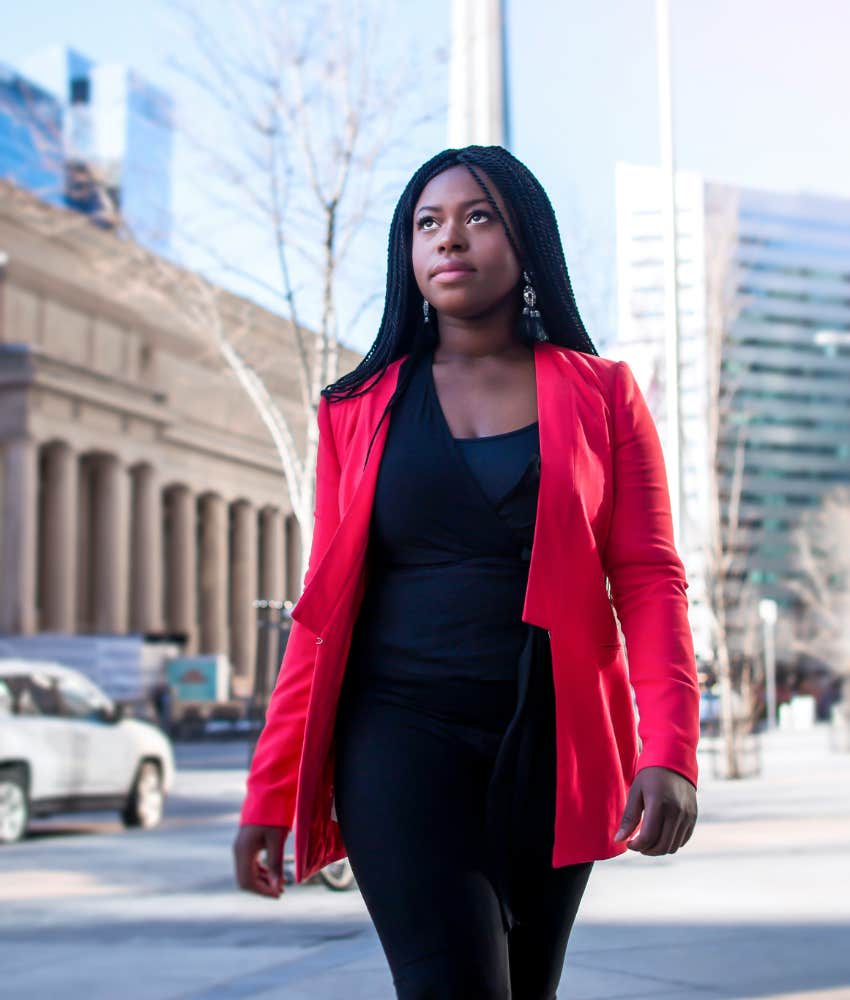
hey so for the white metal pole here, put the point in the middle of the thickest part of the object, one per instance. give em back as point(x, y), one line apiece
point(673, 455)
point(770, 673)
point(768, 612)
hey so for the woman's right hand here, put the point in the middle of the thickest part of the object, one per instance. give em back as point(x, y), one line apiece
point(252, 874)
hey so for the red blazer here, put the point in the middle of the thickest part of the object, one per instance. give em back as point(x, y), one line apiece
point(603, 511)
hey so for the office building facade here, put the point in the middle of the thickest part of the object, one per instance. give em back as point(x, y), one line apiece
point(31, 139)
point(116, 133)
point(764, 315)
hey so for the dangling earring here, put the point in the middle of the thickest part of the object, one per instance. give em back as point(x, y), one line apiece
point(426, 310)
point(530, 313)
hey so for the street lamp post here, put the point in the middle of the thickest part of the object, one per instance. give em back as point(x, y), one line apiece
point(672, 394)
point(768, 614)
point(274, 623)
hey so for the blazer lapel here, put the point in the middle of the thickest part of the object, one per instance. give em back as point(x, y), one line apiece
point(344, 556)
point(559, 514)
point(566, 588)
point(556, 496)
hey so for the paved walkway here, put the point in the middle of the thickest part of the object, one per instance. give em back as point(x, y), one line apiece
point(756, 906)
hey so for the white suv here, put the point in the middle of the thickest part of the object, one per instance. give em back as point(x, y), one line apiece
point(65, 746)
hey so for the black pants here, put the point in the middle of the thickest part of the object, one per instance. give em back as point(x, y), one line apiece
point(410, 799)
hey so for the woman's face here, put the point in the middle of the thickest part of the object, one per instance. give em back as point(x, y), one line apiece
point(462, 260)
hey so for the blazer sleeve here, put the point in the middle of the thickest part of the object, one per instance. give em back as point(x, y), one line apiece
point(272, 778)
point(648, 588)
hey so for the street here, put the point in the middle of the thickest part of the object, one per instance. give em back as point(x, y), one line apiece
point(755, 906)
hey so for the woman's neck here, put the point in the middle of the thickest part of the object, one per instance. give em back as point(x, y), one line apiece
point(492, 334)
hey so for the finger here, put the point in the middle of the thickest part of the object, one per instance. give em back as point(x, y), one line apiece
point(274, 841)
point(666, 837)
point(251, 874)
point(265, 882)
point(650, 829)
point(679, 834)
point(243, 856)
point(631, 813)
point(689, 830)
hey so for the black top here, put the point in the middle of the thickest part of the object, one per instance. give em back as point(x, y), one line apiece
point(447, 581)
point(450, 542)
point(498, 460)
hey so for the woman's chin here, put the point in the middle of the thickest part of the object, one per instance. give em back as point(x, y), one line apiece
point(464, 311)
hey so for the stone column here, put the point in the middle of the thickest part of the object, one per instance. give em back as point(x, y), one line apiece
point(58, 562)
point(146, 544)
point(111, 550)
point(243, 591)
point(19, 537)
point(292, 554)
point(214, 574)
point(272, 577)
point(182, 610)
point(86, 493)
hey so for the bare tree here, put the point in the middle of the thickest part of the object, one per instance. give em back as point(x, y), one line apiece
point(728, 590)
point(822, 583)
point(302, 121)
point(307, 108)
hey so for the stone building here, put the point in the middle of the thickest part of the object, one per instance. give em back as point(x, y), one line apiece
point(139, 489)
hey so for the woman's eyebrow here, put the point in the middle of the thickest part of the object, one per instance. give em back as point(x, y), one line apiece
point(439, 208)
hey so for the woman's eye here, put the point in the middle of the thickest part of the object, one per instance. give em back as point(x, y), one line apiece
point(425, 218)
point(482, 215)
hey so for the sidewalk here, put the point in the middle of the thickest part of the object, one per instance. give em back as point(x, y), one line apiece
point(755, 907)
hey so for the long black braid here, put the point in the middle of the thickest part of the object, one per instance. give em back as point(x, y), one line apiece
point(538, 250)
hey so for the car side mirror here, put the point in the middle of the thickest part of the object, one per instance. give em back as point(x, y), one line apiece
point(113, 714)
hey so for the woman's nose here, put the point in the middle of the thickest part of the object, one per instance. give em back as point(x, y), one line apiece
point(453, 235)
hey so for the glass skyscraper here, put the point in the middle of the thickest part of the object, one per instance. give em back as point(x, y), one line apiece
point(115, 135)
point(764, 301)
point(31, 143)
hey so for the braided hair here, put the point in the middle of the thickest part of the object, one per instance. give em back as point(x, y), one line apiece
point(537, 246)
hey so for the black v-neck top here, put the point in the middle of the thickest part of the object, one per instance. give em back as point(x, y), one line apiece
point(451, 520)
point(440, 630)
point(498, 460)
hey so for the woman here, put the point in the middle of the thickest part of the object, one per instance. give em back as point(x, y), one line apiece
point(454, 708)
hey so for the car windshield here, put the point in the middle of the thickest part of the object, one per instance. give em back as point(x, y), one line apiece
point(80, 698)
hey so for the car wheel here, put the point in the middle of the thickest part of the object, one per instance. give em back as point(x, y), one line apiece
point(338, 875)
point(146, 801)
point(14, 805)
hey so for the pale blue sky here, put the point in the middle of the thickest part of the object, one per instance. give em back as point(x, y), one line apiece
point(760, 98)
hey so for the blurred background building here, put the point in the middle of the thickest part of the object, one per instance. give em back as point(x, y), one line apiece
point(764, 305)
point(109, 404)
point(31, 148)
point(139, 490)
point(97, 138)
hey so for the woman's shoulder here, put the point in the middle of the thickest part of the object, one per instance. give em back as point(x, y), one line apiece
point(598, 372)
point(345, 412)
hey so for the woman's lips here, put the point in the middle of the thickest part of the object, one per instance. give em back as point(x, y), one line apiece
point(445, 277)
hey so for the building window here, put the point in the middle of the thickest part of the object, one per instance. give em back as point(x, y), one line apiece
point(80, 90)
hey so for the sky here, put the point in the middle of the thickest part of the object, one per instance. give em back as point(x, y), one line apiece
point(760, 99)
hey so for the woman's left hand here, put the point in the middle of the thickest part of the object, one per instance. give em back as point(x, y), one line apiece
point(668, 802)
